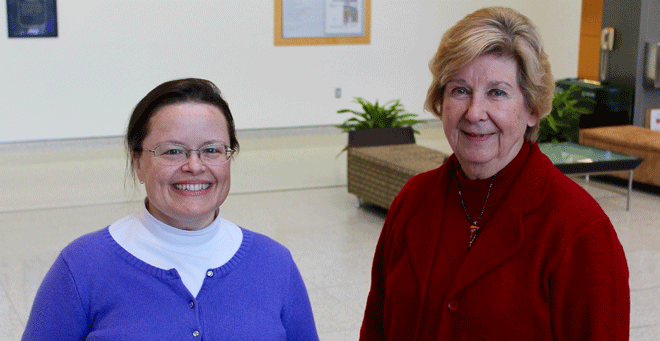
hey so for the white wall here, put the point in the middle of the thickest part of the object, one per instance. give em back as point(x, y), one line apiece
point(110, 53)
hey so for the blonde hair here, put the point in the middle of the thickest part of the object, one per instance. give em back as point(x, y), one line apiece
point(503, 32)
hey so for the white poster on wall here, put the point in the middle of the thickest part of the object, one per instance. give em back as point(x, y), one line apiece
point(300, 19)
point(653, 119)
point(344, 17)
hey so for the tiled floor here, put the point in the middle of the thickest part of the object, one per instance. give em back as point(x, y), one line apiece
point(291, 188)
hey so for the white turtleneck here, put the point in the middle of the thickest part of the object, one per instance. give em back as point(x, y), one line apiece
point(191, 253)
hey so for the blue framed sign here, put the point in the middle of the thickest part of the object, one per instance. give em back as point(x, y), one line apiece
point(31, 18)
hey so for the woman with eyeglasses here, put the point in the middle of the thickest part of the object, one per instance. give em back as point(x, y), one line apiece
point(176, 270)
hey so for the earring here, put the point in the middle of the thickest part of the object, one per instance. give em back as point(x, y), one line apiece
point(141, 182)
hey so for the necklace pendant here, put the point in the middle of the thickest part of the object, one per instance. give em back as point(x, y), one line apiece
point(473, 231)
point(473, 235)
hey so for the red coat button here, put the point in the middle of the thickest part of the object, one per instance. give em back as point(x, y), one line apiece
point(453, 305)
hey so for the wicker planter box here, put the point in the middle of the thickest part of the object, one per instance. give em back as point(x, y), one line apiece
point(377, 174)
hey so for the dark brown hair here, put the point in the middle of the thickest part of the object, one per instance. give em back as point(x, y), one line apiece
point(176, 91)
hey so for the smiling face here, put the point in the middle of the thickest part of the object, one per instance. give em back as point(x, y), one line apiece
point(185, 196)
point(484, 115)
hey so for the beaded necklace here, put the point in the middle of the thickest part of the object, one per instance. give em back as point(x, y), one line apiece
point(474, 229)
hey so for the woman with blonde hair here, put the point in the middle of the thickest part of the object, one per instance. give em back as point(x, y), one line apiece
point(495, 244)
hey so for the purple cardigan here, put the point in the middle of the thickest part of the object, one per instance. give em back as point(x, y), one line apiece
point(96, 290)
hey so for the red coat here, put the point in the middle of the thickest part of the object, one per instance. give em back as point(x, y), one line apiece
point(549, 266)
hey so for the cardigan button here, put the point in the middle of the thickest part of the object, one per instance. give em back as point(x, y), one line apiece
point(209, 273)
point(196, 333)
point(453, 305)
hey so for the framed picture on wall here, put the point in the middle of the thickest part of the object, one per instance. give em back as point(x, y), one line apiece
point(31, 18)
point(314, 22)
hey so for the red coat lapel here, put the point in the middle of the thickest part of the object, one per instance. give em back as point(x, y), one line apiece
point(423, 230)
point(505, 235)
point(501, 240)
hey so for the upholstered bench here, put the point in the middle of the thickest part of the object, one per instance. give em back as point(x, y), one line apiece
point(632, 140)
point(377, 174)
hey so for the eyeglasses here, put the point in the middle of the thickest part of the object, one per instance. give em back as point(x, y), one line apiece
point(174, 154)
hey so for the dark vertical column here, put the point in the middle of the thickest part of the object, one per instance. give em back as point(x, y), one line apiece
point(649, 32)
point(635, 22)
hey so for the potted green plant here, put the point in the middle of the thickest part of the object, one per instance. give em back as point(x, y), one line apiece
point(563, 122)
point(379, 124)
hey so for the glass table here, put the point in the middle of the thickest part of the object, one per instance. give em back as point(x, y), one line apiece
point(575, 159)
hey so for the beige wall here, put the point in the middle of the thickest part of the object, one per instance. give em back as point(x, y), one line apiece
point(109, 53)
